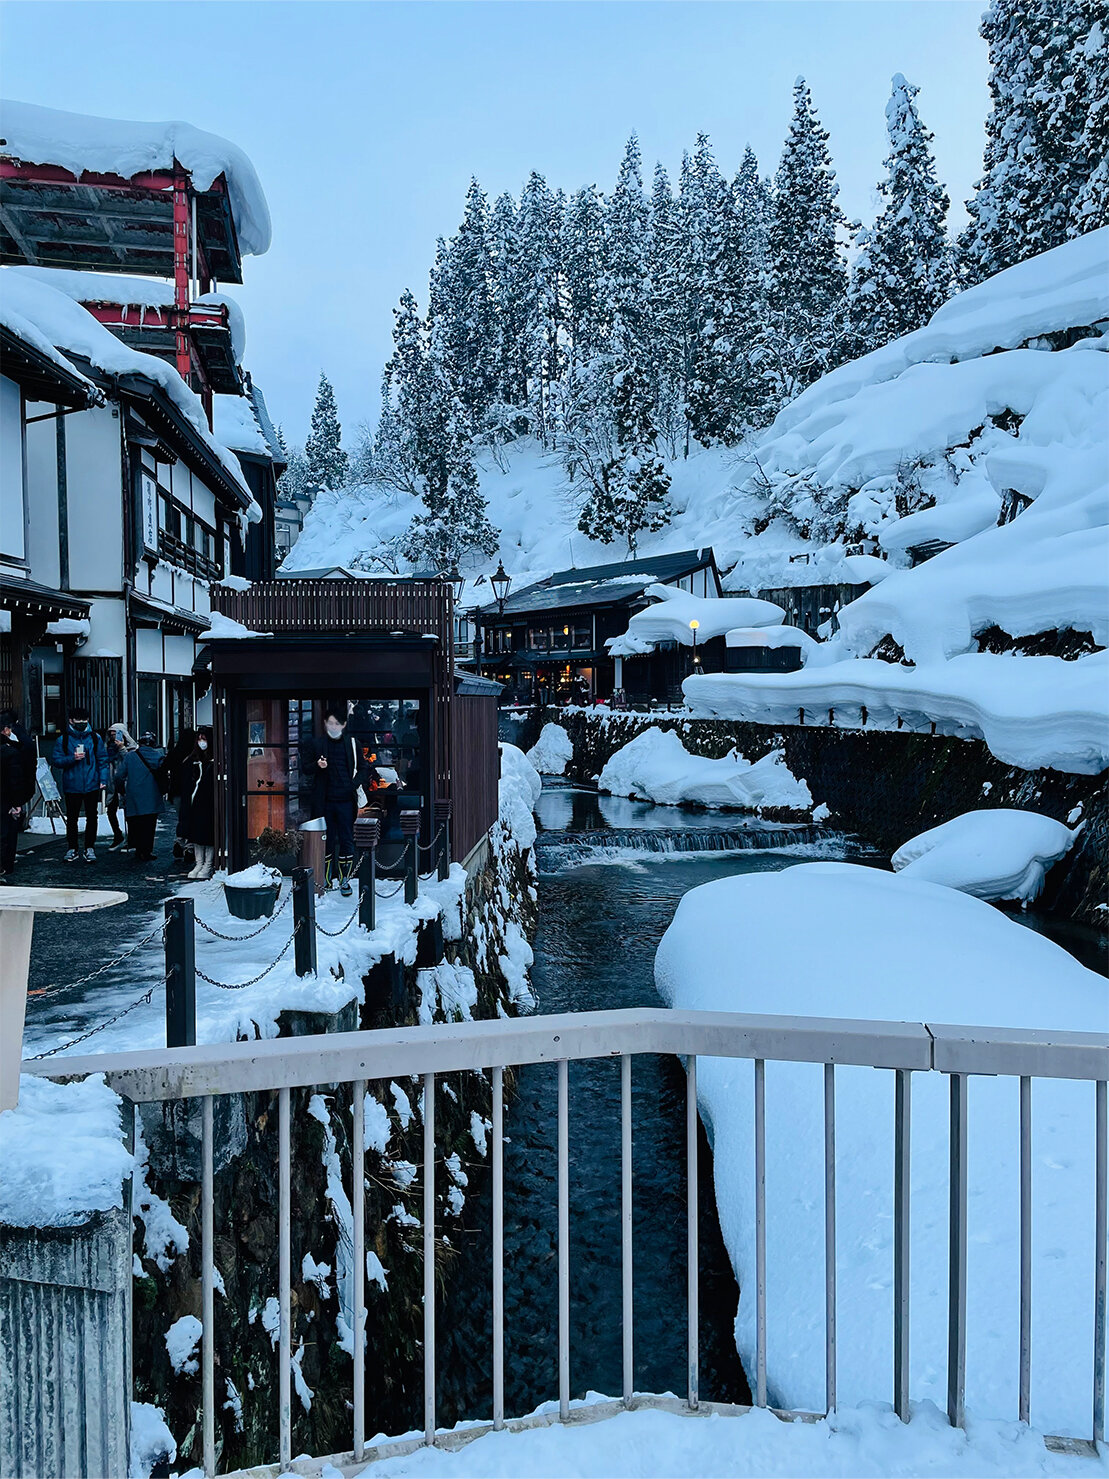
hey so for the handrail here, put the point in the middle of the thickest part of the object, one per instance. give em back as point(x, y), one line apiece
point(223, 1068)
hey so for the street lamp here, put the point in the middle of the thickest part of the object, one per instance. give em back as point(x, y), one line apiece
point(501, 582)
point(694, 627)
point(457, 582)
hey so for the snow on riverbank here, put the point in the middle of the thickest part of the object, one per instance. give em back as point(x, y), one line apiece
point(656, 766)
point(998, 854)
point(838, 940)
point(666, 1445)
point(552, 751)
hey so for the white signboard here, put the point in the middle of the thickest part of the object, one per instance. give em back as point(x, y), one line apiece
point(149, 512)
point(46, 783)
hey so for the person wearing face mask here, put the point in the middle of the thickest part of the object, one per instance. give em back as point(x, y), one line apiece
point(198, 791)
point(13, 791)
point(119, 741)
point(339, 773)
point(82, 762)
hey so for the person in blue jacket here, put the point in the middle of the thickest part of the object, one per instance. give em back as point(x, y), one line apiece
point(83, 765)
point(143, 794)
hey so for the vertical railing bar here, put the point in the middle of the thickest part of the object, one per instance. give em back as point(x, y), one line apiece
point(760, 1232)
point(957, 1254)
point(829, 1237)
point(429, 1258)
point(563, 1239)
point(358, 1207)
point(901, 1187)
point(1025, 1247)
point(498, 1248)
point(1101, 1174)
point(691, 1239)
point(626, 1225)
point(208, 1284)
point(284, 1281)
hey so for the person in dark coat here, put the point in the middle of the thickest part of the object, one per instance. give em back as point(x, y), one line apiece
point(119, 742)
point(83, 764)
point(179, 771)
point(13, 791)
point(142, 795)
point(338, 772)
point(198, 804)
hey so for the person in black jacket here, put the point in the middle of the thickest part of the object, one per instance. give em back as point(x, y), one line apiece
point(15, 788)
point(198, 791)
point(338, 773)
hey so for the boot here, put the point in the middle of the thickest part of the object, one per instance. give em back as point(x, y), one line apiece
point(198, 858)
point(207, 856)
point(346, 868)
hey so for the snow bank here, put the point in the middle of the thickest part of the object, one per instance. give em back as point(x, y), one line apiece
point(861, 1441)
point(151, 1440)
point(552, 751)
point(73, 330)
point(133, 292)
point(779, 636)
point(519, 790)
point(62, 1155)
point(656, 766)
point(112, 146)
point(998, 854)
point(258, 875)
point(225, 627)
point(669, 619)
point(834, 939)
point(1030, 711)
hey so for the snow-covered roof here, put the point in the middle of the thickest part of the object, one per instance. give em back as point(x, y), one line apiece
point(73, 330)
point(137, 292)
point(112, 146)
point(668, 620)
point(234, 422)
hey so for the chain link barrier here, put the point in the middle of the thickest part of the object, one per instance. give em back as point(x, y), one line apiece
point(211, 929)
point(100, 1026)
point(159, 929)
point(333, 934)
point(242, 985)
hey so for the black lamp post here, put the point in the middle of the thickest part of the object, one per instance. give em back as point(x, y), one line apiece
point(694, 627)
point(457, 581)
point(501, 582)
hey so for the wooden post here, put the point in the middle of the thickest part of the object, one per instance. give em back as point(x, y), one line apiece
point(442, 817)
point(367, 831)
point(410, 831)
point(180, 940)
point(304, 921)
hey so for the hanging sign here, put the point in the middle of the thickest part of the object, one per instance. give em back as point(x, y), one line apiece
point(149, 512)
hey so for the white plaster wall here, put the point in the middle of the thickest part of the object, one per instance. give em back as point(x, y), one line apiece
point(180, 654)
point(94, 499)
point(12, 540)
point(148, 651)
point(42, 497)
point(107, 630)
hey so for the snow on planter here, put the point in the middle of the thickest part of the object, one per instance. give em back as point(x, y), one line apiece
point(656, 766)
point(998, 854)
point(62, 1155)
point(669, 619)
point(552, 751)
point(1030, 711)
point(114, 146)
point(838, 940)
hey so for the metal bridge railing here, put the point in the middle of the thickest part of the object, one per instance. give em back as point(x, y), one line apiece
point(357, 1058)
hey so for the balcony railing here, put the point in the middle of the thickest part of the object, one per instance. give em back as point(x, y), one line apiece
point(357, 1058)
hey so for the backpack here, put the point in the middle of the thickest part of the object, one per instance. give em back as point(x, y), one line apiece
point(159, 772)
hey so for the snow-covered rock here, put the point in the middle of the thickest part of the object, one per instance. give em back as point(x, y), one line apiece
point(552, 751)
point(656, 766)
point(839, 940)
point(670, 618)
point(998, 854)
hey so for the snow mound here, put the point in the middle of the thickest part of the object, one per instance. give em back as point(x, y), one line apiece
point(656, 766)
point(774, 636)
point(225, 627)
point(258, 875)
point(552, 751)
point(1030, 711)
point(113, 146)
point(62, 1155)
point(669, 619)
point(998, 854)
point(834, 939)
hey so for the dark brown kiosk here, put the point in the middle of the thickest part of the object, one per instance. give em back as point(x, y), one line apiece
point(383, 648)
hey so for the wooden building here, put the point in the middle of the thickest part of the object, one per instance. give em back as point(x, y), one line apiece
point(546, 643)
point(384, 648)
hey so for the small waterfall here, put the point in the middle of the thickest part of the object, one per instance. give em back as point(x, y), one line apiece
point(559, 850)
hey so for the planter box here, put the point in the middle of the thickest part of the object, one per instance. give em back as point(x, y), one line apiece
point(256, 901)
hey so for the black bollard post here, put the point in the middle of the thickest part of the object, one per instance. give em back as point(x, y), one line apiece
point(304, 921)
point(180, 940)
point(367, 830)
point(443, 828)
point(410, 831)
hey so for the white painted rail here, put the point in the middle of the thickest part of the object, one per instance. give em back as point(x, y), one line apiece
point(902, 1048)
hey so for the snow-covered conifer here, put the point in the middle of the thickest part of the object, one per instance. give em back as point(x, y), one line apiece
point(326, 460)
point(903, 272)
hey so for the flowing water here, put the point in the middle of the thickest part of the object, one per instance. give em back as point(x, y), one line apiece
point(611, 875)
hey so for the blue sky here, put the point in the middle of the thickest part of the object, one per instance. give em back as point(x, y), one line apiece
point(365, 121)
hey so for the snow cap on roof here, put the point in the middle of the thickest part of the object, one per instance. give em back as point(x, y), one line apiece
point(114, 146)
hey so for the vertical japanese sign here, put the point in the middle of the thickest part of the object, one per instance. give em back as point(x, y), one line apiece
point(149, 512)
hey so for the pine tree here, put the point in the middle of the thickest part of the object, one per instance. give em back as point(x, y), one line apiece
point(539, 226)
point(583, 260)
point(402, 447)
point(1091, 206)
point(664, 309)
point(509, 299)
point(808, 276)
point(463, 323)
point(903, 272)
point(455, 522)
point(1036, 163)
point(326, 460)
point(291, 484)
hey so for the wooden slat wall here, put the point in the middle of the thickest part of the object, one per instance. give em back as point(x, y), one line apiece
point(476, 765)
